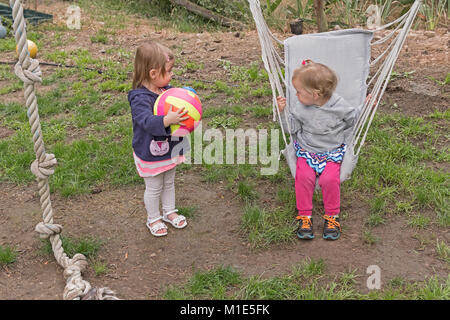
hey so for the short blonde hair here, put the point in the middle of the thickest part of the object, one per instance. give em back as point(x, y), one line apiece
point(316, 77)
point(150, 55)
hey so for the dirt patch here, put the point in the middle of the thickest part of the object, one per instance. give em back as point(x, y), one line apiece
point(412, 103)
point(141, 266)
point(5, 132)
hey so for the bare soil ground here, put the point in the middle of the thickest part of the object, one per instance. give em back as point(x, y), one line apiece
point(141, 266)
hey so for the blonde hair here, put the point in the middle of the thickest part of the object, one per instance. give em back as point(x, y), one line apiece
point(150, 55)
point(316, 77)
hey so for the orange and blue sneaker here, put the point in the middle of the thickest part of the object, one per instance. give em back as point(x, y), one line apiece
point(305, 231)
point(331, 228)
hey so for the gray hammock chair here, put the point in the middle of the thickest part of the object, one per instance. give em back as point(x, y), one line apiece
point(348, 52)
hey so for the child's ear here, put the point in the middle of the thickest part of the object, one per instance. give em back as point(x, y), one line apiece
point(153, 73)
point(316, 94)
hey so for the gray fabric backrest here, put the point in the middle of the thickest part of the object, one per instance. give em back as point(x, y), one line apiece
point(347, 52)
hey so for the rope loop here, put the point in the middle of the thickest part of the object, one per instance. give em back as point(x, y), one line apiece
point(80, 261)
point(100, 294)
point(75, 288)
point(30, 75)
point(44, 169)
point(46, 230)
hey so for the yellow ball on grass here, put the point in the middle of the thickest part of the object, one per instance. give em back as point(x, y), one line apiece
point(32, 49)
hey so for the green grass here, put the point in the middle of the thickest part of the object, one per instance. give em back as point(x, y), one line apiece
point(442, 83)
point(225, 122)
point(253, 73)
point(81, 164)
point(7, 72)
point(396, 168)
point(163, 15)
point(262, 111)
point(93, 161)
point(100, 268)
point(369, 238)
point(8, 44)
point(100, 37)
point(190, 66)
point(88, 246)
point(404, 74)
point(57, 56)
point(286, 197)
point(264, 227)
point(187, 211)
point(15, 86)
point(378, 205)
point(313, 268)
point(214, 284)
point(443, 251)
point(419, 221)
point(247, 192)
point(440, 115)
point(306, 281)
point(375, 219)
point(7, 255)
point(212, 112)
point(261, 92)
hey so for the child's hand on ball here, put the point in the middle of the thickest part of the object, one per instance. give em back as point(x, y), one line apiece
point(175, 117)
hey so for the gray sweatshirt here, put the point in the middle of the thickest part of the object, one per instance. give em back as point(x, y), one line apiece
point(322, 128)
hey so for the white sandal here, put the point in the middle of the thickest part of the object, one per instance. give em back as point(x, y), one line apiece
point(175, 222)
point(156, 227)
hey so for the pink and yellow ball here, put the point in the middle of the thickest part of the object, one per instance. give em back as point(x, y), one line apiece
point(179, 98)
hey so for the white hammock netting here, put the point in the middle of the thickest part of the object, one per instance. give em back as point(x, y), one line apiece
point(381, 68)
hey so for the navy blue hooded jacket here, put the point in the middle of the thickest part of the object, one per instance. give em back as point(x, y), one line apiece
point(147, 126)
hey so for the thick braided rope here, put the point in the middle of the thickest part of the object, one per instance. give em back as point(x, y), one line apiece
point(28, 70)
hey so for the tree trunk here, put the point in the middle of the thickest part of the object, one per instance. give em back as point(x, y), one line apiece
point(208, 14)
point(320, 15)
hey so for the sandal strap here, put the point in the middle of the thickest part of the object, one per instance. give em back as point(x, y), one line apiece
point(153, 220)
point(165, 214)
point(180, 218)
point(156, 227)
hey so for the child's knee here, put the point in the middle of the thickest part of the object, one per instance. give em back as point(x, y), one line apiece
point(329, 180)
point(153, 189)
point(302, 177)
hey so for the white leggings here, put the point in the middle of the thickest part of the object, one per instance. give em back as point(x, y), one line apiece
point(161, 185)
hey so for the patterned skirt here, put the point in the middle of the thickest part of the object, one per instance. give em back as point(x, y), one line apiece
point(318, 161)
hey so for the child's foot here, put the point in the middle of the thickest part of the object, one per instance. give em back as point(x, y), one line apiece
point(176, 220)
point(331, 228)
point(305, 231)
point(157, 228)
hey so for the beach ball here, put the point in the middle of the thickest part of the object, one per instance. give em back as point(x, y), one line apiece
point(191, 89)
point(179, 98)
point(32, 49)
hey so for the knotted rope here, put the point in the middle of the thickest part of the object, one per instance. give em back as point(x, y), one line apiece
point(28, 70)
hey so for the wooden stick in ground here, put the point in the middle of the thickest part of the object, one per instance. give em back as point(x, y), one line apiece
point(320, 15)
point(208, 14)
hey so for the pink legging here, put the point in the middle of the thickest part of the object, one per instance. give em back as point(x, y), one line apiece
point(329, 182)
